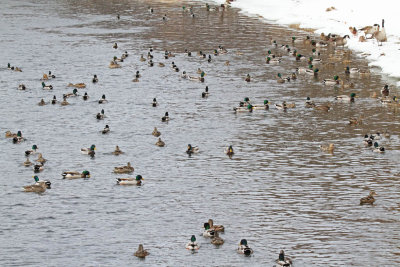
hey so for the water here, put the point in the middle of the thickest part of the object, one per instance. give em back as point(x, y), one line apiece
point(278, 191)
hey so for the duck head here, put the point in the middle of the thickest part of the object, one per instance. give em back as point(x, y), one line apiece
point(36, 178)
point(92, 147)
point(206, 88)
point(34, 147)
point(243, 242)
point(139, 178)
point(282, 255)
point(86, 174)
point(193, 238)
point(206, 226)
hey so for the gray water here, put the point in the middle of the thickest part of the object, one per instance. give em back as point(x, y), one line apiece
point(279, 191)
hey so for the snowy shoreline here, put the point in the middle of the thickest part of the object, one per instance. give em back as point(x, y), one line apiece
point(312, 14)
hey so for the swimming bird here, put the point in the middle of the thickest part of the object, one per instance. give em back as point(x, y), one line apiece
point(130, 181)
point(323, 107)
point(115, 46)
point(141, 252)
point(283, 260)
point(155, 132)
point(9, 134)
point(385, 90)
point(64, 102)
point(85, 96)
point(142, 58)
point(103, 99)
point(190, 149)
point(192, 245)
point(269, 60)
point(95, 79)
point(77, 85)
point(378, 149)
point(160, 143)
point(368, 199)
point(154, 104)
point(309, 103)
point(38, 186)
point(18, 139)
point(346, 98)
point(21, 87)
point(27, 162)
point(205, 94)
point(247, 79)
point(333, 81)
point(207, 231)
point(38, 167)
point(54, 100)
point(165, 117)
point(74, 93)
point(75, 175)
point(349, 70)
point(89, 151)
point(117, 151)
point(106, 129)
point(217, 240)
point(124, 169)
point(229, 151)
point(47, 87)
point(42, 102)
point(100, 115)
point(217, 228)
point(244, 248)
point(327, 148)
point(114, 65)
point(31, 151)
point(40, 158)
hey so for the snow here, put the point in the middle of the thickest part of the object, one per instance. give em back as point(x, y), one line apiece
point(355, 13)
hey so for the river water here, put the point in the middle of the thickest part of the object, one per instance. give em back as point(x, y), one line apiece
point(279, 191)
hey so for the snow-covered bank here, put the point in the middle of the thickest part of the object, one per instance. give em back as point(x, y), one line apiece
point(355, 13)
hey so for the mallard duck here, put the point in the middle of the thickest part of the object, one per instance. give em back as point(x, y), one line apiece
point(154, 104)
point(282, 80)
point(365, 72)
point(349, 70)
point(312, 60)
point(300, 57)
point(38, 187)
point(368, 199)
point(320, 44)
point(155, 132)
point(115, 46)
point(9, 134)
point(54, 100)
point(21, 87)
point(273, 60)
point(18, 138)
point(229, 151)
point(64, 102)
point(47, 87)
point(191, 149)
point(100, 115)
point(114, 65)
point(385, 90)
point(327, 148)
point(151, 63)
point(27, 162)
point(38, 167)
point(160, 143)
point(106, 129)
point(380, 35)
point(264, 106)
point(74, 93)
point(142, 58)
point(205, 93)
point(218, 228)
point(40, 158)
point(184, 75)
point(124, 55)
point(207, 231)
point(346, 98)
point(216, 240)
point(377, 136)
point(192, 245)
point(85, 96)
point(130, 181)
point(75, 175)
point(303, 70)
point(77, 85)
point(44, 77)
point(355, 121)
point(312, 72)
point(243, 108)
point(141, 253)
point(309, 103)
point(103, 99)
point(247, 79)
point(378, 149)
point(124, 169)
point(333, 81)
point(32, 151)
point(283, 261)
point(367, 140)
point(244, 248)
point(282, 106)
point(117, 151)
point(324, 107)
point(88, 151)
point(165, 117)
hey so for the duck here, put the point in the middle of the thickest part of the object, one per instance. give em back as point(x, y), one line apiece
point(229, 151)
point(124, 169)
point(216, 240)
point(27, 162)
point(282, 106)
point(117, 151)
point(141, 253)
point(160, 143)
point(312, 72)
point(106, 129)
point(54, 100)
point(312, 60)
point(155, 132)
point(38, 168)
point(130, 181)
point(380, 35)
point(364, 72)
point(247, 79)
point(21, 87)
point(300, 57)
point(18, 139)
point(378, 149)
point(191, 149)
point(85, 96)
point(244, 248)
point(64, 102)
point(95, 79)
point(44, 77)
point(315, 52)
point(40, 159)
point(341, 41)
point(124, 55)
point(327, 148)
point(32, 151)
point(74, 93)
point(89, 151)
point(355, 121)
point(103, 99)
point(349, 70)
point(368, 199)
point(100, 115)
point(283, 261)
point(309, 103)
point(264, 106)
point(154, 104)
point(42, 102)
point(192, 245)
point(333, 81)
point(217, 228)
point(47, 87)
point(207, 231)
point(324, 107)
point(9, 134)
point(150, 63)
point(243, 108)
point(184, 75)
point(303, 70)
point(205, 94)
point(138, 75)
point(282, 80)
point(273, 60)
point(38, 187)
point(385, 90)
point(115, 46)
point(160, 64)
point(114, 65)
point(77, 85)
point(165, 118)
point(346, 98)
point(142, 58)
point(367, 140)
point(75, 175)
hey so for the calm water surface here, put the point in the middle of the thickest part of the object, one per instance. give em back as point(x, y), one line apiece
point(278, 191)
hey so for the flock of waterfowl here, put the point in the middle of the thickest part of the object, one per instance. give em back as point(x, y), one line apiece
point(276, 54)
